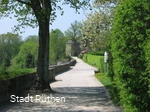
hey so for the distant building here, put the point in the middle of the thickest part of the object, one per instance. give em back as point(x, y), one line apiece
point(72, 48)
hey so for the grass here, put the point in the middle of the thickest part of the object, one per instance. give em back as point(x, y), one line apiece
point(106, 81)
point(98, 62)
point(11, 73)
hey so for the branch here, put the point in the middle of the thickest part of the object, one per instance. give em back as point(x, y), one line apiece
point(50, 6)
point(27, 3)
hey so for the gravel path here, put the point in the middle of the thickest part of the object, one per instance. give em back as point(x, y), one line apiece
point(77, 90)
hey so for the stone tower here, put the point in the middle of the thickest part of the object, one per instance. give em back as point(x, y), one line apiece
point(72, 48)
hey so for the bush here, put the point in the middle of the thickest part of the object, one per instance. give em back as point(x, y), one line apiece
point(80, 56)
point(57, 46)
point(130, 33)
point(95, 60)
point(99, 53)
point(27, 57)
point(14, 72)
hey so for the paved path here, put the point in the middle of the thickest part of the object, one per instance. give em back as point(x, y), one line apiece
point(77, 90)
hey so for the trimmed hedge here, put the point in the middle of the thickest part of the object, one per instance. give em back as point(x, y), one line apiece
point(95, 60)
point(130, 52)
point(99, 53)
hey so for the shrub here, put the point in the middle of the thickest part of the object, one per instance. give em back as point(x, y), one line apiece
point(99, 53)
point(130, 33)
point(95, 60)
point(14, 72)
point(81, 56)
point(27, 57)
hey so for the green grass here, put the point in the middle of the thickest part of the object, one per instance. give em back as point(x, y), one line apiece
point(98, 62)
point(11, 73)
point(106, 81)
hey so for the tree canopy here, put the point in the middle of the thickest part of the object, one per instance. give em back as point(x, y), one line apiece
point(96, 31)
point(57, 46)
point(74, 32)
point(9, 47)
point(27, 56)
point(25, 11)
point(38, 13)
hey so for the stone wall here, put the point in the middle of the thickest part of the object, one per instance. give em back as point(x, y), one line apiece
point(19, 84)
point(15, 86)
point(63, 67)
point(60, 68)
point(72, 62)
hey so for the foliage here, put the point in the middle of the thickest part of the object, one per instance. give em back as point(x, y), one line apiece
point(147, 72)
point(38, 13)
point(25, 11)
point(130, 34)
point(9, 48)
point(100, 2)
point(11, 73)
point(95, 60)
point(74, 32)
point(97, 27)
point(107, 82)
point(27, 56)
point(57, 46)
point(32, 38)
point(100, 53)
point(104, 79)
point(80, 56)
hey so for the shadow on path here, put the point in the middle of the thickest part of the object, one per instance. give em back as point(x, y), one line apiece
point(77, 99)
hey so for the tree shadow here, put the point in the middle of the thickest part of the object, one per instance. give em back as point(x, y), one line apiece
point(77, 99)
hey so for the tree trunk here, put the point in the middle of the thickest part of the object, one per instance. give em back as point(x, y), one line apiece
point(42, 10)
point(43, 55)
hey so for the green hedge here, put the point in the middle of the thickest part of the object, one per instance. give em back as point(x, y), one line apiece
point(99, 53)
point(130, 53)
point(95, 60)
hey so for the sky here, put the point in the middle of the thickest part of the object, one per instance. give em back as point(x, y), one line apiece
point(61, 22)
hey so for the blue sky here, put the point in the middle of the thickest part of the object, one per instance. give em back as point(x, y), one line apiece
point(69, 16)
point(61, 22)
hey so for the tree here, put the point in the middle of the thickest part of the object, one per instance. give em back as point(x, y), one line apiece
point(27, 56)
point(38, 13)
point(57, 45)
point(129, 48)
point(74, 32)
point(9, 48)
point(32, 38)
point(97, 26)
